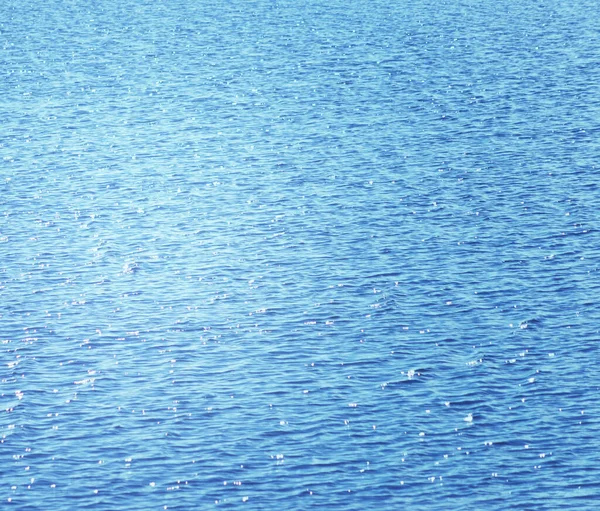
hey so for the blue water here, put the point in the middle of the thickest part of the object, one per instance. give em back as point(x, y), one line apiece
point(299, 255)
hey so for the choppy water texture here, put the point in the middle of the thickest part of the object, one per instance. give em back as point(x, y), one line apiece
point(293, 255)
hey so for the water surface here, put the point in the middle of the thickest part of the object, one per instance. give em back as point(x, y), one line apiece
point(289, 255)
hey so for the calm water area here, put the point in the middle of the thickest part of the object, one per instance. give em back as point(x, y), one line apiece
point(269, 254)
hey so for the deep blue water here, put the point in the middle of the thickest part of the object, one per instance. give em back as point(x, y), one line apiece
point(299, 255)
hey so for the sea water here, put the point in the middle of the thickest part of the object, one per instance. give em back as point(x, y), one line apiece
point(299, 255)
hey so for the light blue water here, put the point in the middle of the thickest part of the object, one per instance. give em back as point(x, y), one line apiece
point(299, 255)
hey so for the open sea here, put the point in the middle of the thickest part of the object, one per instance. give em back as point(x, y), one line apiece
point(290, 255)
